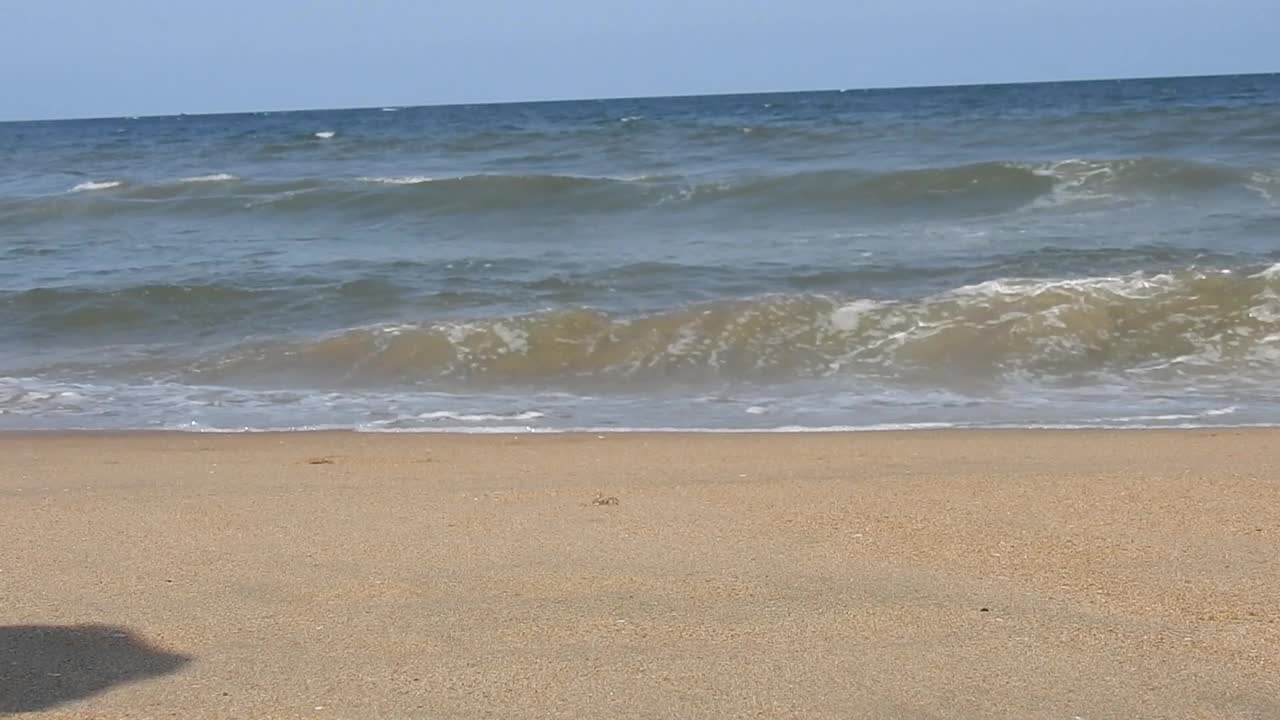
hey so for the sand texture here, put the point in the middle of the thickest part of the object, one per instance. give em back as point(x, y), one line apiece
point(958, 574)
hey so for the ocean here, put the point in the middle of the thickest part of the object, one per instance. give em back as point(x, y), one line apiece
point(1064, 254)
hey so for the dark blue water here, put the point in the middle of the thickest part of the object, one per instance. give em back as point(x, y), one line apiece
point(1099, 253)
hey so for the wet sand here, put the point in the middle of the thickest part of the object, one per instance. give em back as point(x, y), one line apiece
point(958, 574)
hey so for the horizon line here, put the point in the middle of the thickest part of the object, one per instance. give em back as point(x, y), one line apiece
point(623, 98)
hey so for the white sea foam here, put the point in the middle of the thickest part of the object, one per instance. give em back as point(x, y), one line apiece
point(1264, 185)
point(32, 403)
point(519, 429)
point(1075, 181)
point(395, 329)
point(97, 185)
point(481, 417)
point(1136, 285)
point(215, 177)
point(1148, 418)
point(406, 180)
point(848, 316)
point(516, 339)
point(1271, 273)
point(195, 427)
point(325, 134)
point(1267, 311)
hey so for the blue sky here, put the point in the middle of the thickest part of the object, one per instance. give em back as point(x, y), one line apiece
point(79, 58)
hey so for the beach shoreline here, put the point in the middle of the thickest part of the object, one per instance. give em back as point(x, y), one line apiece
point(922, 573)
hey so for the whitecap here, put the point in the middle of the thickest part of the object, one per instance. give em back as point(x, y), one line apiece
point(215, 177)
point(97, 185)
point(325, 134)
point(406, 180)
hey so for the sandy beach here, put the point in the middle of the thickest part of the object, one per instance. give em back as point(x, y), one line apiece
point(954, 574)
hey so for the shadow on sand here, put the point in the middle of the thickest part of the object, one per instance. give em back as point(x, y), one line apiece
point(42, 666)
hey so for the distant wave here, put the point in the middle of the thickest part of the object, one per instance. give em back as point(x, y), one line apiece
point(461, 194)
point(325, 134)
point(92, 185)
point(471, 284)
point(951, 191)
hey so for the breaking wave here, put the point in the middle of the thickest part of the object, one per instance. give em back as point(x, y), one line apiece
point(1158, 325)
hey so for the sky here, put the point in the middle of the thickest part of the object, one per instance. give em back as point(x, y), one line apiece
point(93, 58)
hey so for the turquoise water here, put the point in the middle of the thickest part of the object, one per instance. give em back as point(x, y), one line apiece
point(1100, 253)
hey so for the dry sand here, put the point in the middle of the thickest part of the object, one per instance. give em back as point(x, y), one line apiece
point(1019, 574)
